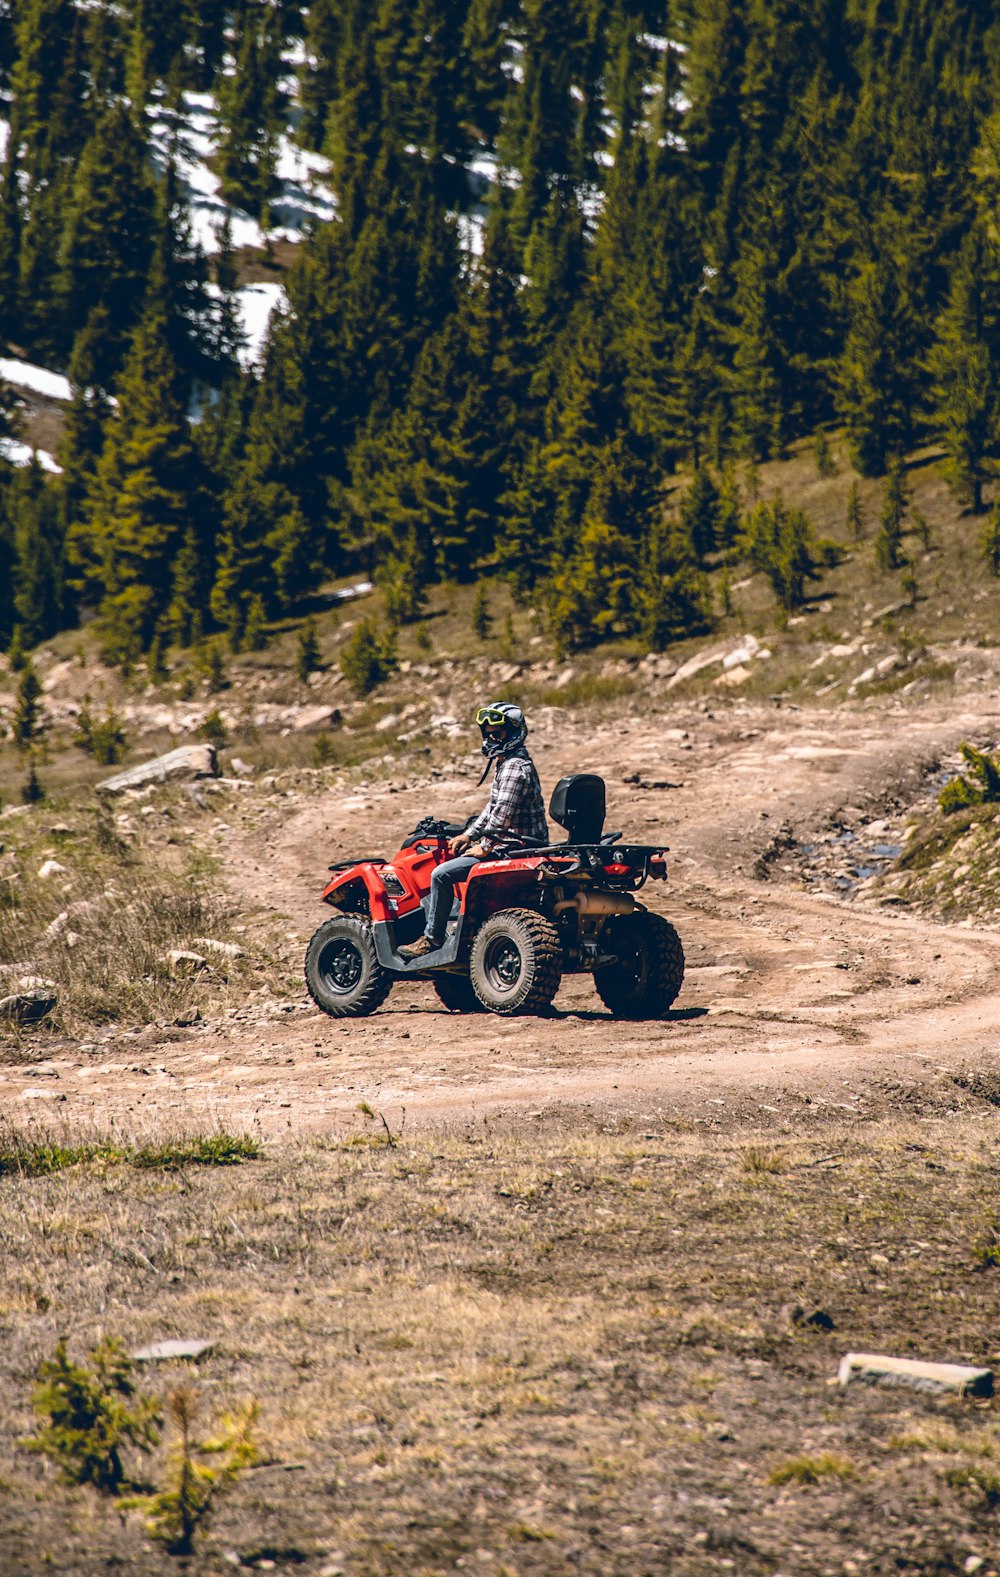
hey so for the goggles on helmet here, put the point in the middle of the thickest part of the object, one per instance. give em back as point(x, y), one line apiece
point(492, 717)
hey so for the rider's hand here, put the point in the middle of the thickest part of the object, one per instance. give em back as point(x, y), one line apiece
point(460, 844)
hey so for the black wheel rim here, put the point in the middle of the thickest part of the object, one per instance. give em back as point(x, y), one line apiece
point(503, 964)
point(340, 966)
point(632, 968)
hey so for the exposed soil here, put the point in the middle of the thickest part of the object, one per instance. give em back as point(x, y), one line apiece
point(790, 992)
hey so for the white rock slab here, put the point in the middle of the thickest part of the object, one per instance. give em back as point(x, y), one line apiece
point(189, 761)
point(158, 1352)
point(876, 1369)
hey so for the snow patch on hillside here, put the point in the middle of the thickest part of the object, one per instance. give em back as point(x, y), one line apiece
point(303, 200)
point(26, 375)
point(255, 304)
point(22, 454)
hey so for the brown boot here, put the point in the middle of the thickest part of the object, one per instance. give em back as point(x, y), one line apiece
point(417, 949)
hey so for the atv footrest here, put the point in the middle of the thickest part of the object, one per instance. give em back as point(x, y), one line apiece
point(389, 958)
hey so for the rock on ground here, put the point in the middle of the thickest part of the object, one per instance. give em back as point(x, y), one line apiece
point(189, 761)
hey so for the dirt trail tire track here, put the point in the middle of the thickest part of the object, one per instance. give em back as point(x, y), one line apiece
point(789, 997)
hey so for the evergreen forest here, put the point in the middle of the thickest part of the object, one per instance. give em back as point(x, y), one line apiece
point(576, 251)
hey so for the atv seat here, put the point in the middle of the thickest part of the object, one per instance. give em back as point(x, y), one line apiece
point(579, 804)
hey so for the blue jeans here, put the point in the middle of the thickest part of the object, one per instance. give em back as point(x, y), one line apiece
point(443, 894)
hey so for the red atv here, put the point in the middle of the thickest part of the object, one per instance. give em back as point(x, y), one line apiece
point(521, 921)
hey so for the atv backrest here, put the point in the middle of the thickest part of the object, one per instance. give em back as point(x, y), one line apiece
point(578, 803)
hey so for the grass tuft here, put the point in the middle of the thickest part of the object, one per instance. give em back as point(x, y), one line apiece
point(812, 1470)
point(759, 1158)
point(22, 1157)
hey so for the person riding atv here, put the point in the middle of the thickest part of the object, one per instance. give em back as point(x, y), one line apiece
point(515, 811)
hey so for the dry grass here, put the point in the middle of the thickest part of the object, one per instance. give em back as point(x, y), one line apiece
point(101, 929)
point(524, 1355)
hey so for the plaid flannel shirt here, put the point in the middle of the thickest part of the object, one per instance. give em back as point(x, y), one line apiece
point(515, 809)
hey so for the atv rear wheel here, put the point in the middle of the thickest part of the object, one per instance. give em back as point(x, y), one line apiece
point(456, 993)
point(343, 973)
point(650, 968)
point(516, 962)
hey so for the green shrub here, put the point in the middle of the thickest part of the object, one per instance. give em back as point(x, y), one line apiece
point(39, 1158)
point(213, 729)
point(90, 1414)
point(982, 786)
point(324, 750)
point(101, 737)
point(778, 541)
point(368, 658)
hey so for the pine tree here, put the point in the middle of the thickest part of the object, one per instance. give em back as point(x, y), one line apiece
point(778, 541)
point(877, 390)
point(26, 725)
point(674, 596)
point(140, 510)
point(966, 366)
point(41, 604)
point(250, 113)
point(700, 511)
point(106, 243)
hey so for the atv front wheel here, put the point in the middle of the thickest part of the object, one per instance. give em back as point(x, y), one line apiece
point(343, 973)
point(516, 962)
point(650, 966)
point(456, 993)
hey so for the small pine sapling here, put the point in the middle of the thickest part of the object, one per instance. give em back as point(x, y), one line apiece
point(32, 792)
point(107, 737)
point(890, 536)
point(422, 636)
point(26, 722)
point(174, 1514)
point(307, 658)
point(482, 618)
point(826, 466)
point(211, 665)
point(156, 667)
point(989, 539)
point(213, 729)
point(909, 584)
point(855, 518)
point(255, 636)
point(324, 750)
point(725, 592)
point(90, 1413)
point(922, 527)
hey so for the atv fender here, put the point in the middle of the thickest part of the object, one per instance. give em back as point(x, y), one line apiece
point(365, 873)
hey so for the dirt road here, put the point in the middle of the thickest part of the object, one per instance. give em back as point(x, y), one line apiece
point(792, 999)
